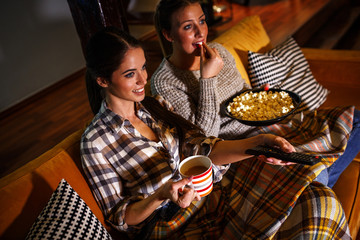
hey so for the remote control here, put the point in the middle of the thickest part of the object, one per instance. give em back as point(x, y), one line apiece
point(295, 157)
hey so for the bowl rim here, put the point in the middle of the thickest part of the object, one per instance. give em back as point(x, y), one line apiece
point(295, 97)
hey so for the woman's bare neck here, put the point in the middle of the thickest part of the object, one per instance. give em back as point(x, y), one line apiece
point(126, 111)
point(186, 62)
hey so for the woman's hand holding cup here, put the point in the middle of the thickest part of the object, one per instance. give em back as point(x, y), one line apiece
point(179, 193)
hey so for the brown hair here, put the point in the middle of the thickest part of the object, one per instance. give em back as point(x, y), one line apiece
point(162, 19)
point(104, 53)
point(158, 112)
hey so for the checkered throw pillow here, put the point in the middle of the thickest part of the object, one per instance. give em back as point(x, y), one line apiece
point(66, 216)
point(285, 67)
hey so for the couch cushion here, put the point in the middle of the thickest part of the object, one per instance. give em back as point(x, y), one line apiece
point(286, 67)
point(66, 216)
point(248, 34)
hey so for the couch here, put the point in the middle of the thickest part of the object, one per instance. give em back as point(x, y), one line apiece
point(26, 191)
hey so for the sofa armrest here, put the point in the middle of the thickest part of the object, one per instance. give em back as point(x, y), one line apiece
point(338, 71)
point(26, 191)
point(347, 189)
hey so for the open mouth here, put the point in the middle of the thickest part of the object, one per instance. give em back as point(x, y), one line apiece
point(139, 90)
point(198, 44)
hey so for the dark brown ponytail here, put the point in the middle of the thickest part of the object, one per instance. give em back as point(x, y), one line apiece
point(158, 112)
point(104, 53)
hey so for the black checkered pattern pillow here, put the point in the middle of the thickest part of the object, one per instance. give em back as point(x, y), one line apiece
point(66, 216)
point(286, 67)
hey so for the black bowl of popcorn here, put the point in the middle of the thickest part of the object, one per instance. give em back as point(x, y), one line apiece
point(259, 107)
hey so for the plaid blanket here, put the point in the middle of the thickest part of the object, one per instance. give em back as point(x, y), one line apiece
point(264, 201)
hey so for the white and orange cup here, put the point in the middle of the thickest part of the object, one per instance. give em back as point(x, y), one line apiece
point(200, 168)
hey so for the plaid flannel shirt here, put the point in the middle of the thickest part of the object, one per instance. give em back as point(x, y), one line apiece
point(123, 166)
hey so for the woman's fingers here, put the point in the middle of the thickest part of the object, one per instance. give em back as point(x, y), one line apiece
point(188, 195)
point(181, 183)
point(202, 55)
point(276, 141)
point(211, 62)
point(284, 145)
point(273, 161)
point(208, 51)
point(185, 194)
point(197, 196)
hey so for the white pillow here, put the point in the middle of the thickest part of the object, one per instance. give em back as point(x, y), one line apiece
point(285, 67)
point(66, 216)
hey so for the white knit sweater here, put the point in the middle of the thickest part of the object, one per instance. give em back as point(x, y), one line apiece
point(199, 100)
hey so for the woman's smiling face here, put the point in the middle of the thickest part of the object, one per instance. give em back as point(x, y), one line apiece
point(129, 80)
point(188, 28)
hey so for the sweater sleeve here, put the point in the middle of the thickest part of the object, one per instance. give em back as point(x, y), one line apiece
point(208, 117)
point(194, 99)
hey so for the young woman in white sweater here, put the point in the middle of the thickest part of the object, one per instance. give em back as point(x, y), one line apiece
point(198, 77)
